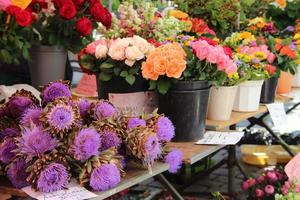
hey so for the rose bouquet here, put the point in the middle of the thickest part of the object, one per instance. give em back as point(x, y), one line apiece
point(15, 21)
point(121, 57)
point(67, 23)
point(45, 145)
point(273, 184)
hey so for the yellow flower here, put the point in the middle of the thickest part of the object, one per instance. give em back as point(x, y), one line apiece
point(260, 24)
point(260, 55)
point(216, 39)
point(256, 20)
point(256, 66)
point(178, 14)
point(245, 35)
point(233, 76)
point(297, 36)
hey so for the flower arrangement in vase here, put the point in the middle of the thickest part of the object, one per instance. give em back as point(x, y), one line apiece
point(46, 144)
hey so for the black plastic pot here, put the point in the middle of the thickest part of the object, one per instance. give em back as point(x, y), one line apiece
point(186, 105)
point(268, 90)
point(119, 85)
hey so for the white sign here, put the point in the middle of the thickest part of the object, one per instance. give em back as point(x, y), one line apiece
point(278, 115)
point(221, 138)
point(73, 192)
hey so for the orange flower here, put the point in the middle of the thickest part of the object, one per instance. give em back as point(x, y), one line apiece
point(253, 28)
point(287, 51)
point(147, 71)
point(178, 14)
point(278, 46)
point(175, 69)
point(188, 25)
point(160, 66)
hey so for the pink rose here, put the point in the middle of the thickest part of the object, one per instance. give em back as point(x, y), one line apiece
point(292, 169)
point(260, 179)
point(91, 48)
point(285, 188)
point(271, 175)
point(101, 51)
point(117, 49)
point(269, 189)
point(201, 49)
point(144, 46)
point(271, 57)
point(248, 183)
point(4, 4)
point(232, 68)
point(213, 55)
point(259, 193)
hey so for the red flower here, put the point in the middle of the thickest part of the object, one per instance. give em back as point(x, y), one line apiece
point(270, 69)
point(200, 27)
point(96, 10)
point(12, 10)
point(84, 26)
point(154, 42)
point(208, 40)
point(60, 3)
point(78, 2)
point(92, 2)
point(23, 18)
point(228, 51)
point(68, 10)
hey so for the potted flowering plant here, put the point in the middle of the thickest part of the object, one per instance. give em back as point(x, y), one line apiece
point(15, 20)
point(181, 74)
point(61, 25)
point(117, 64)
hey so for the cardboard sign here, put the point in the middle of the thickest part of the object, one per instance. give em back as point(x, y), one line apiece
point(73, 192)
point(21, 3)
point(278, 115)
point(292, 169)
point(87, 86)
point(221, 138)
point(134, 104)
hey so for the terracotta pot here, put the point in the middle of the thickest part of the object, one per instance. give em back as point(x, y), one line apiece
point(221, 101)
point(284, 82)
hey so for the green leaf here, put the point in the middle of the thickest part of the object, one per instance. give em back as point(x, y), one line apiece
point(25, 53)
point(130, 79)
point(124, 73)
point(152, 85)
point(134, 69)
point(105, 76)
point(87, 62)
point(117, 71)
point(163, 86)
point(106, 65)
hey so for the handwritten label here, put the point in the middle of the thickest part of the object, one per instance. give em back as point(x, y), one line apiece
point(74, 192)
point(87, 86)
point(136, 103)
point(221, 138)
point(278, 115)
point(21, 3)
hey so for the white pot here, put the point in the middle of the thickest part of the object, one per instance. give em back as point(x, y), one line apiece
point(221, 101)
point(296, 79)
point(248, 96)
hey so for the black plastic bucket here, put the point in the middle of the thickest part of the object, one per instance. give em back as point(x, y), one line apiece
point(186, 105)
point(119, 85)
point(268, 90)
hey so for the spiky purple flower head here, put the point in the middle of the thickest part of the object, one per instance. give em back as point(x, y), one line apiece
point(19, 102)
point(6, 150)
point(31, 115)
point(9, 132)
point(105, 177)
point(165, 129)
point(84, 105)
point(110, 139)
point(61, 117)
point(174, 159)
point(134, 122)
point(55, 90)
point(103, 110)
point(152, 149)
point(86, 144)
point(35, 142)
point(16, 173)
point(54, 177)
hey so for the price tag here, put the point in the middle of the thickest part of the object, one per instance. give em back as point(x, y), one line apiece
point(278, 115)
point(21, 3)
point(221, 138)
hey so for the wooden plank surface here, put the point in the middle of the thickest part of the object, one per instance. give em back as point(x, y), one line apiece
point(193, 152)
point(237, 117)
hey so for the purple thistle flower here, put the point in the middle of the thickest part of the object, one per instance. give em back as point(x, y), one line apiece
point(61, 117)
point(55, 90)
point(174, 159)
point(10, 132)
point(105, 177)
point(165, 129)
point(110, 139)
point(35, 142)
point(18, 104)
point(17, 174)
point(6, 150)
point(86, 144)
point(135, 122)
point(84, 106)
point(54, 177)
point(104, 110)
point(152, 148)
point(31, 115)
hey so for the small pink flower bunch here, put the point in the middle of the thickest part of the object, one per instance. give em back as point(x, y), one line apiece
point(260, 53)
point(119, 57)
point(214, 55)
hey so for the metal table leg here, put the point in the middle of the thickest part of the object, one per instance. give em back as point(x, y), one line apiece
point(162, 179)
point(230, 163)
